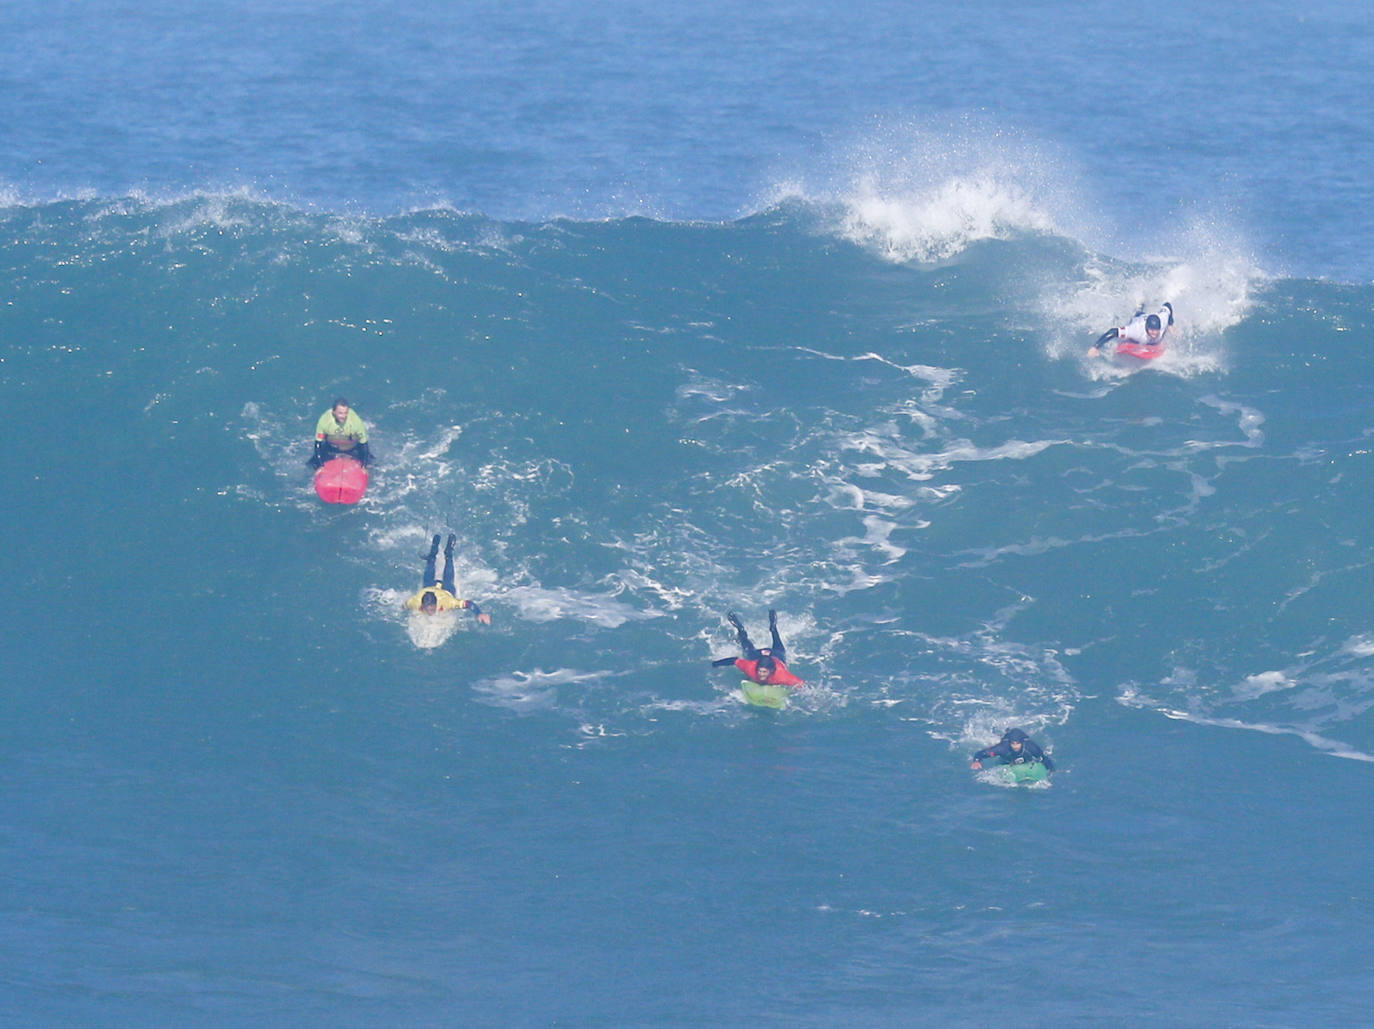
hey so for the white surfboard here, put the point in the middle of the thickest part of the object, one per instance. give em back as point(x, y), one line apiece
point(430, 631)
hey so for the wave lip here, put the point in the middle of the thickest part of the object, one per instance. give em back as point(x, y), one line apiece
point(938, 223)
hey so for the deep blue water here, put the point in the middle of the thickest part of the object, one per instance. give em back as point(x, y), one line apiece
point(668, 311)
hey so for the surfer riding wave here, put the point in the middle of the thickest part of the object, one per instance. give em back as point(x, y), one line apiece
point(1145, 330)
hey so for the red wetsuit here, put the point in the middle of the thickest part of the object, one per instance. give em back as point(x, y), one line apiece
point(780, 677)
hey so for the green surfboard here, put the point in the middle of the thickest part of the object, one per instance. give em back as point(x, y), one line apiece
point(1030, 771)
point(764, 694)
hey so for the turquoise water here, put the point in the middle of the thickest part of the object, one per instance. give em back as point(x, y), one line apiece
point(239, 791)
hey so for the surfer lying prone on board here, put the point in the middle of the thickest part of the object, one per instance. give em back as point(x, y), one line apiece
point(1015, 748)
point(762, 665)
point(438, 594)
point(1143, 330)
point(341, 432)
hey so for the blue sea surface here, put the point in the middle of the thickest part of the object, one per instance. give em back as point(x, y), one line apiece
point(668, 311)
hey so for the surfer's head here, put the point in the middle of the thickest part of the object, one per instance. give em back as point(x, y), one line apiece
point(341, 407)
point(1015, 737)
point(1152, 326)
point(766, 666)
point(429, 603)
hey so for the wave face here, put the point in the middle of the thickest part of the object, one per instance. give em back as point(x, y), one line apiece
point(232, 768)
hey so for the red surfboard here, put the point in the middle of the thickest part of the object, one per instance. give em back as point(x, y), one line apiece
point(341, 480)
point(1144, 351)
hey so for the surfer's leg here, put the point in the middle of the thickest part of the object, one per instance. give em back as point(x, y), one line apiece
point(430, 561)
point(448, 564)
point(779, 651)
point(751, 652)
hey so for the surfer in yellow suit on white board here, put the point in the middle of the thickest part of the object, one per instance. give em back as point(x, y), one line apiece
point(440, 594)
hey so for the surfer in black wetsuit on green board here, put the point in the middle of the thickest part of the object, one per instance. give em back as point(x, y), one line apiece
point(1014, 748)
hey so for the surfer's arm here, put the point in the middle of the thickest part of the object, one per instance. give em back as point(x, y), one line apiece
point(1034, 752)
point(480, 615)
point(1106, 337)
point(723, 662)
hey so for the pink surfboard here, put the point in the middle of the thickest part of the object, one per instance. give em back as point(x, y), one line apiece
point(1144, 351)
point(341, 480)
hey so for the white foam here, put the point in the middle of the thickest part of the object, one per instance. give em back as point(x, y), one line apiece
point(548, 604)
point(924, 465)
point(940, 379)
point(1253, 686)
point(430, 631)
point(1248, 419)
point(938, 220)
point(1131, 697)
point(1359, 646)
point(925, 191)
point(534, 690)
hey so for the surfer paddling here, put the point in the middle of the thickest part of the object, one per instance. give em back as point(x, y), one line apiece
point(1015, 748)
point(340, 432)
point(1146, 330)
point(440, 594)
point(764, 665)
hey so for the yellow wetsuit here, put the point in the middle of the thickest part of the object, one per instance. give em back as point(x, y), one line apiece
point(444, 601)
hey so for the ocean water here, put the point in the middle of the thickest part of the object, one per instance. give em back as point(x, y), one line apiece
point(668, 311)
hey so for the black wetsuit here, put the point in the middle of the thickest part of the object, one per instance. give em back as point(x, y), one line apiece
point(1030, 752)
point(751, 652)
point(447, 581)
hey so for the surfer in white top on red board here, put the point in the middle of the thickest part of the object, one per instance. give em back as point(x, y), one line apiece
point(1143, 331)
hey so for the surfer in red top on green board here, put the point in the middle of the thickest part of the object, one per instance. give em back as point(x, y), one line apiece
point(763, 665)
